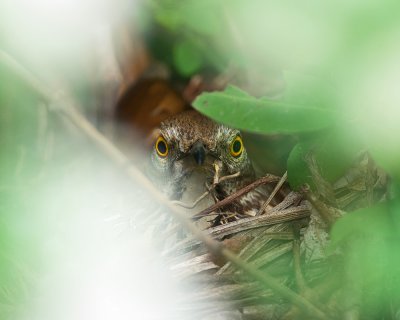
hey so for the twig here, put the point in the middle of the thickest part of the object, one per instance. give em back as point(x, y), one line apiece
point(191, 205)
point(225, 218)
point(120, 159)
point(264, 180)
point(328, 215)
point(273, 193)
point(301, 283)
point(240, 225)
point(323, 187)
point(231, 176)
point(71, 112)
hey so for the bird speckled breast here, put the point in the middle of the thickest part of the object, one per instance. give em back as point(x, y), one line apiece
point(187, 150)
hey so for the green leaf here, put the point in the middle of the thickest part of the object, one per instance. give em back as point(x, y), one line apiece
point(371, 244)
point(263, 115)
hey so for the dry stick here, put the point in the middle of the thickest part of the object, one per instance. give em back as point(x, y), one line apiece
point(301, 283)
point(191, 205)
point(273, 193)
point(327, 215)
point(264, 180)
point(119, 158)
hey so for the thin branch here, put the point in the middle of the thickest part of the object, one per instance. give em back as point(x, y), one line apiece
point(231, 176)
point(273, 193)
point(215, 247)
point(301, 283)
point(264, 180)
point(295, 213)
point(191, 205)
point(328, 214)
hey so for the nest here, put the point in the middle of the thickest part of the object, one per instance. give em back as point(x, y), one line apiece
point(284, 270)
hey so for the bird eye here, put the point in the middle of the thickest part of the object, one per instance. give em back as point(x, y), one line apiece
point(236, 147)
point(161, 147)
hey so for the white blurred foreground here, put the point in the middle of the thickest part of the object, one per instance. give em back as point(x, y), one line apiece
point(98, 259)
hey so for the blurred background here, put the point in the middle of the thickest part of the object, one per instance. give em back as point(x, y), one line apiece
point(321, 79)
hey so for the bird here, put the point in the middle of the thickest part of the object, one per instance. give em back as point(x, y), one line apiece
point(189, 150)
point(192, 155)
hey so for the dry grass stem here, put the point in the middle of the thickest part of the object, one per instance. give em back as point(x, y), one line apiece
point(273, 193)
point(261, 181)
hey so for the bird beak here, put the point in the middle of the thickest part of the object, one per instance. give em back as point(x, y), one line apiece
point(199, 152)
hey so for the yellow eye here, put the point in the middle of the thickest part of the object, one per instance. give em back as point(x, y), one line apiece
point(161, 147)
point(236, 147)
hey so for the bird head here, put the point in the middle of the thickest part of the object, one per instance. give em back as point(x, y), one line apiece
point(190, 142)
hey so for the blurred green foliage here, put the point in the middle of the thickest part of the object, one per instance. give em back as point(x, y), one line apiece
point(370, 240)
point(19, 167)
